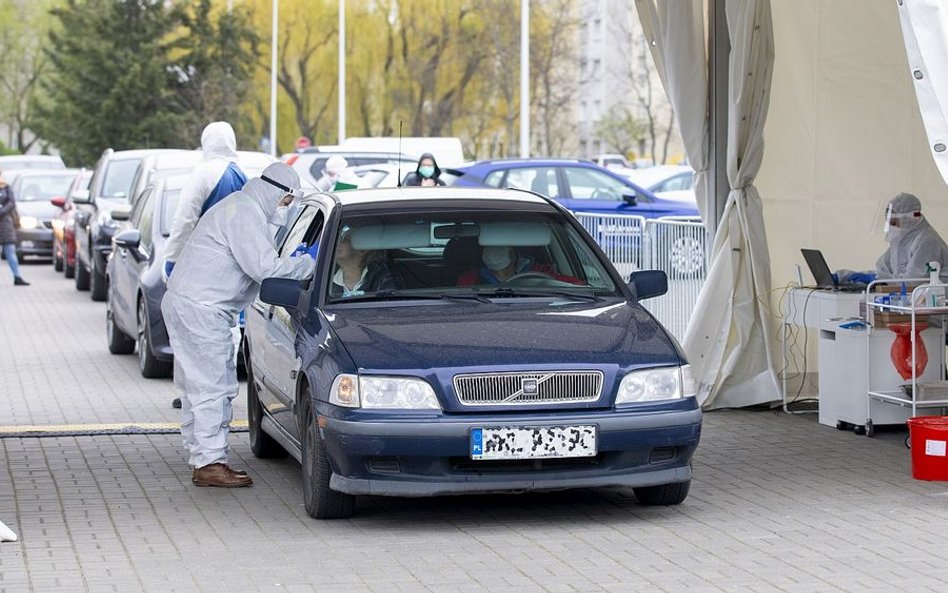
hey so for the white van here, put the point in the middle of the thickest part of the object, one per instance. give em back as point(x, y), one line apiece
point(447, 151)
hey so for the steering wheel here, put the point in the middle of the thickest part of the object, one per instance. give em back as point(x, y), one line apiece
point(527, 276)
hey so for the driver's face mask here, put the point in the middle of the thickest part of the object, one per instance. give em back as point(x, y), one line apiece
point(497, 258)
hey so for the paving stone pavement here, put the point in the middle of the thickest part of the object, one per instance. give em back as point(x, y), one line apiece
point(779, 503)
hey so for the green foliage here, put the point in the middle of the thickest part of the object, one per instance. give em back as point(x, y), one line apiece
point(620, 130)
point(4, 150)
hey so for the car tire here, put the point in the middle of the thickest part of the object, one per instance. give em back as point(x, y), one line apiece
point(119, 341)
point(262, 445)
point(82, 276)
point(687, 258)
point(321, 501)
point(99, 284)
point(148, 364)
point(69, 271)
point(664, 495)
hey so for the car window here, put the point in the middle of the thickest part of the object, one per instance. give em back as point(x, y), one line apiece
point(372, 177)
point(137, 210)
point(147, 218)
point(168, 209)
point(40, 188)
point(589, 184)
point(307, 227)
point(677, 183)
point(541, 180)
point(494, 178)
point(460, 252)
point(119, 177)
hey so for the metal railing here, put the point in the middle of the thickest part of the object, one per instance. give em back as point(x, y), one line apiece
point(679, 247)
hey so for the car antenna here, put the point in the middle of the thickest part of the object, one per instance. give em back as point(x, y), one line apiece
point(399, 153)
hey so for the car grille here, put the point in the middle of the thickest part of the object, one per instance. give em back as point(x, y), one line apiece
point(526, 388)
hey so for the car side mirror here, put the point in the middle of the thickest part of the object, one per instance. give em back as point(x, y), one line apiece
point(121, 213)
point(646, 284)
point(129, 239)
point(81, 196)
point(59, 202)
point(630, 199)
point(282, 292)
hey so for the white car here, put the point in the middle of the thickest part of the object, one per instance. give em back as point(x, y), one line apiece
point(663, 178)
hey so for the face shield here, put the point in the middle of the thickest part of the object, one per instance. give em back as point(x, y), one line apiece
point(293, 193)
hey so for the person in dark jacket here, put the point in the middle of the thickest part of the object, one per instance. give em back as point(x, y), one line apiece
point(8, 238)
point(428, 174)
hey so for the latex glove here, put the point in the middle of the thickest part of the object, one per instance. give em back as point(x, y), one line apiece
point(303, 248)
point(861, 277)
point(166, 270)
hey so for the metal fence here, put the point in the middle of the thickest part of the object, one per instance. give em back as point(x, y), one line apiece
point(677, 247)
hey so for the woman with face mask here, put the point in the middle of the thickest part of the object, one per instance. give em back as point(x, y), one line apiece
point(501, 263)
point(428, 174)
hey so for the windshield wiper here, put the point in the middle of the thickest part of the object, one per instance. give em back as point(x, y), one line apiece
point(519, 292)
point(392, 295)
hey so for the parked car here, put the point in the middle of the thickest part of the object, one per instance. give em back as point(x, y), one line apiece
point(310, 162)
point(64, 236)
point(581, 186)
point(450, 384)
point(133, 277)
point(382, 174)
point(663, 177)
point(31, 161)
point(118, 178)
point(35, 189)
point(616, 163)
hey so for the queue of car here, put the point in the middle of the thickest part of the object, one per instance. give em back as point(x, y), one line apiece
point(451, 379)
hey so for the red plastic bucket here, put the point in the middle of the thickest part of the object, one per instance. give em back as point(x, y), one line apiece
point(929, 435)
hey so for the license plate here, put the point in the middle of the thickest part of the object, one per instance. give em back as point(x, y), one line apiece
point(542, 442)
point(26, 244)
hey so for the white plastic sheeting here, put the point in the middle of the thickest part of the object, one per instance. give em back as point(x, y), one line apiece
point(729, 341)
point(925, 30)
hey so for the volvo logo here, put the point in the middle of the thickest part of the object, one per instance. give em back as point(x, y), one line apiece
point(529, 386)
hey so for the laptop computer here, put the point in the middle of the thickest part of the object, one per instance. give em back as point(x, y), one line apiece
point(823, 276)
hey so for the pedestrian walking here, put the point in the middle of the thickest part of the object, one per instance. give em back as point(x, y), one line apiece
point(427, 174)
point(9, 223)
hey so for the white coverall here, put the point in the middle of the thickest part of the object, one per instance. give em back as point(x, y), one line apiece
point(911, 245)
point(219, 146)
point(217, 275)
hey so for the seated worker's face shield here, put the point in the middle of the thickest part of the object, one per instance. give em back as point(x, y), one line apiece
point(899, 220)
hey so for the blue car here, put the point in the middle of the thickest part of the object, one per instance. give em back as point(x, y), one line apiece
point(581, 186)
point(458, 340)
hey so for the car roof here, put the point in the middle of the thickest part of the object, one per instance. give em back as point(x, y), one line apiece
point(145, 152)
point(531, 161)
point(24, 173)
point(436, 195)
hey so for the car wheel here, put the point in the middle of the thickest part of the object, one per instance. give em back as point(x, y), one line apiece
point(148, 364)
point(82, 276)
point(321, 501)
point(664, 495)
point(686, 257)
point(99, 283)
point(119, 341)
point(69, 271)
point(262, 445)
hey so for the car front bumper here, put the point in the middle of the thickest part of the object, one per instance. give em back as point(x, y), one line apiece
point(38, 241)
point(432, 457)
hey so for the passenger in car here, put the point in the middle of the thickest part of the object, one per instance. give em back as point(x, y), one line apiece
point(359, 271)
point(501, 263)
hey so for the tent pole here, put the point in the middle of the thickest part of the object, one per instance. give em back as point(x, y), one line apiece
point(719, 47)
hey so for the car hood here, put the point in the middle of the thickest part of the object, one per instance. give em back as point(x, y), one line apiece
point(510, 333)
point(40, 209)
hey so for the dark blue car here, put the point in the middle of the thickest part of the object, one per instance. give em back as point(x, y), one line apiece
point(581, 186)
point(457, 340)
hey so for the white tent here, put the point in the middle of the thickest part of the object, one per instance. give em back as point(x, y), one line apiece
point(843, 134)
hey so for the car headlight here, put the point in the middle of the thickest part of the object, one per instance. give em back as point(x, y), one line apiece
point(387, 393)
point(105, 220)
point(28, 222)
point(58, 224)
point(660, 384)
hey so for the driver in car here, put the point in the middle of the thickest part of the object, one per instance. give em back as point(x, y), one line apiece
point(501, 263)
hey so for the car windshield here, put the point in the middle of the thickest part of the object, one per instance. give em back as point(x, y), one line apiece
point(119, 178)
point(464, 254)
point(36, 188)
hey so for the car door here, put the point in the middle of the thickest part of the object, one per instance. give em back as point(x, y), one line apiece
point(539, 179)
point(283, 361)
point(127, 266)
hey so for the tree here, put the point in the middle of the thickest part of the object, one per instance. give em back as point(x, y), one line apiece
point(110, 85)
point(25, 25)
point(214, 57)
point(620, 130)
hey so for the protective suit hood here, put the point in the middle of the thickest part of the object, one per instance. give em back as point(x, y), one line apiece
point(218, 141)
point(268, 196)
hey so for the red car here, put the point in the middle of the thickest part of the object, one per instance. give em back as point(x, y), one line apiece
point(64, 236)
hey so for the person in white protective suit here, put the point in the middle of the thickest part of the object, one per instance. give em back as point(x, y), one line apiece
point(216, 177)
point(218, 273)
point(337, 171)
point(913, 243)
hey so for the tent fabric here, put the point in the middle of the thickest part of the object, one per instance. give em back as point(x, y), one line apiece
point(675, 31)
point(925, 32)
point(729, 341)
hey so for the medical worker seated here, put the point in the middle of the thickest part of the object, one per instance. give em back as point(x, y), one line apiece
point(217, 274)
point(912, 244)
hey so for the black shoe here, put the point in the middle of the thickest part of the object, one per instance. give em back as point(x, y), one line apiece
point(20, 282)
point(176, 403)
